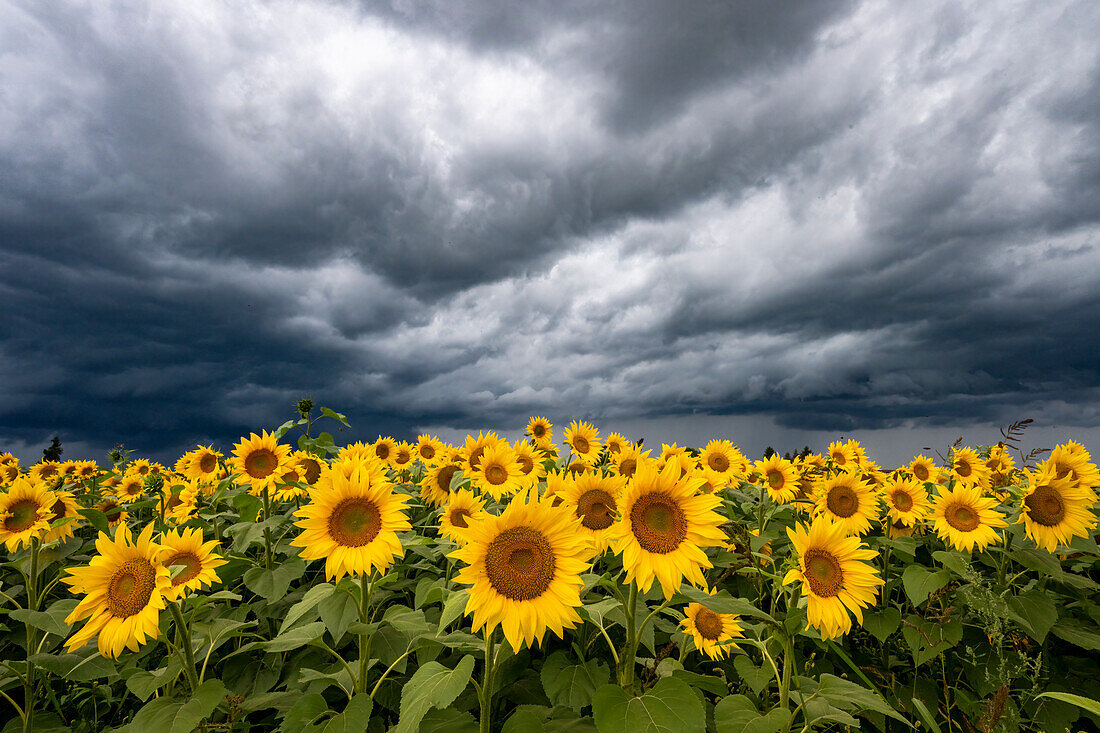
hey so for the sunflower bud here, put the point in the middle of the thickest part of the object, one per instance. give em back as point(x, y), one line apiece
point(115, 456)
point(305, 406)
point(154, 482)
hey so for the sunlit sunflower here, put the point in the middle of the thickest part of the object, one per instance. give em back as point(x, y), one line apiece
point(86, 470)
point(779, 477)
point(670, 452)
point(812, 460)
point(45, 471)
point(403, 456)
point(68, 468)
point(286, 489)
point(1000, 460)
point(524, 570)
point(577, 466)
point(967, 469)
point(498, 473)
point(64, 508)
point(8, 472)
point(615, 443)
point(25, 512)
point(846, 500)
point(841, 454)
point(140, 466)
point(1055, 510)
point(7, 459)
point(906, 501)
point(353, 524)
point(475, 447)
point(463, 509)
point(197, 562)
point(555, 484)
point(427, 449)
point(626, 461)
point(722, 457)
point(895, 529)
point(130, 488)
point(835, 575)
point(203, 465)
point(923, 469)
point(584, 441)
point(385, 449)
point(259, 461)
point(712, 480)
point(859, 455)
point(964, 518)
point(125, 587)
point(309, 466)
point(665, 525)
point(594, 499)
point(712, 632)
point(435, 487)
point(359, 450)
point(112, 510)
point(1072, 461)
point(540, 430)
point(805, 496)
point(530, 461)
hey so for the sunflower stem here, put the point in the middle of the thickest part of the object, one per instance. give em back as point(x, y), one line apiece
point(365, 586)
point(486, 692)
point(1003, 566)
point(32, 604)
point(267, 530)
point(188, 650)
point(627, 660)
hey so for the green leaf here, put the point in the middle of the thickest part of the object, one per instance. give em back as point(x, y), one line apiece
point(1085, 703)
point(1038, 560)
point(1077, 634)
point(956, 562)
point(572, 685)
point(757, 678)
point(737, 714)
point(295, 638)
point(337, 416)
point(453, 608)
point(303, 713)
point(1035, 611)
point(168, 715)
point(920, 582)
point(85, 666)
point(596, 612)
point(723, 602)
point(431, 686)
point(928, 640)
point(354, 718)
point(51, 621)
point(144, 683)
point(706, 682)
point(925, 715)
point(883, 622)
point(338, 610)
point(97, 519)
point(272, 584)
point(849, 696)
point(449, 720)
point(309, 601)
point(669, 707)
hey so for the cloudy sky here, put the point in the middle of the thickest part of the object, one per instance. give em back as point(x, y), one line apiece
point(773, 222)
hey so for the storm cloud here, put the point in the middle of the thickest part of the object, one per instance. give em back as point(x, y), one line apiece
point(791, 219)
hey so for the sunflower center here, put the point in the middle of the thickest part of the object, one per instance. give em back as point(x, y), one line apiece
point(443, 479)
point(289, 477)
point(1045, 506)
point(902, 501)
point(526, 464)
point(520, 563)
point(57, 511)
point(427, 451)
point(628, 467)
point(495, 474)
point(596, 508)
point(658, 523)
point(842, 501)
point(260, 463)
point(403, 457)
point(718, 462)
point(962, 517)
point(775, 478)
point(192, 566)
point(580, 443)
point(839, 459)
point(708, 624)
point(475, 457)
point(458, 518)
point(24, 513)
point(1062, 469)
point(921, 472)
point(174, 501)
point(48, 471)
point(110, 509)
point(208, 463)
point(538, 431)
point(312, 470)
point(130, 588)
point(823, 573)
point(382, 450)
point(577, 467)
point(963, 468)
point(355, 522)
point(614, 447)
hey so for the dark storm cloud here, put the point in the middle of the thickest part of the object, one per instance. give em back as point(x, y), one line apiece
point(841, 216)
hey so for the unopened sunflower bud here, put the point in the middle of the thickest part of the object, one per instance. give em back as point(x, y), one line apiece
point(305, 406)
point(154, 482)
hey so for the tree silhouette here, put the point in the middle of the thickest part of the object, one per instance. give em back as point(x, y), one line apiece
point(54, 451)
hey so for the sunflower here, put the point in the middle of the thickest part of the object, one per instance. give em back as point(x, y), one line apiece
point(463, 509)
point(45, 471)
point(780, 478)
point(112, 510)
point(712, 632)
point(594, 499)
point(125, 588)
point(895, 529)
point(859, 455)
point(259, 461)
point(524, 570)
point(287, 488)
point(182, 501)
point(140, 466)
point(846, 500)
point(576, 467)
point(712, 480)
point(923, 469)
point(435, 487)
point(835, 575)
point(555, 485)
point(130, 488)
point(540, 430)
point(906, 501)
point(615, 443)
point(626, 461)
point(86, 470)
point(427, 449)
point(353, 524)
point(7, 459)
point(403, 456)
point(474, 447)
point(68, 468)
point(359, 450)
point(1055, 510)
point(530, 461)
point(385, 449)
point(203, 464)
point(969, 470)
point(25, 513)
point(197, 561)
point(841, 455)
point(964, 518)
point(1074, 464)
point(722, 457)
point(498, 473)
point(309, 466)
point(64, 508)
point(669, 452)
point(584, 441)
point(8, 472)
point(665, 524)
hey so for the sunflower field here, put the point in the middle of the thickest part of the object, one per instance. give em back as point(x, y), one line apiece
point(586, 583)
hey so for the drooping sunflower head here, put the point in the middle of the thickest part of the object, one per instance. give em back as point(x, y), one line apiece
point(427, 449)
point(352, 523)
point(8, 472)
point(594, 499)
point(260, 461)
point(849, 502)
point(530, 461)
point(26, 509)
point(779, 476)
point(1055, 510)
point(181, 501)
point(712, 632)
point(968, 469)
point(1074, 464)
point(964, 518)
point(665, 524)
point(287, 489)
point(615, 443)
point(438, 482)
point(308, 466)
point(841, 455)
point(835, 575)
point(1000, 460)
point(459, 513)
point(112, 510)
point(125, 586)
point(906, 501)
point(524, 570)
point(540, 430)
point(130, 488)
point(64, 517)
point(923, 469)
point(583, 441)
point(192, 563)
